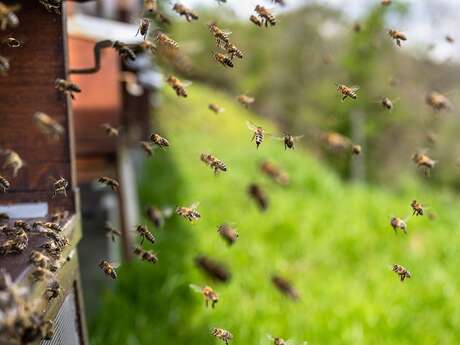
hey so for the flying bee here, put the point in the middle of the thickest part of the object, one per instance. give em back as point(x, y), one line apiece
point(347, 91)
point(150, 5)
point(213, 162)
point(108, 268)
point(110, 131)
point(450, 39)
point(4, 65)
point(224, 60)
point(279, 2)
point(356, 149)
point(401, 271)
point(53, 290)
point(165, 41)
point(52, 5)
point(232, 50)
point(178, 86)
point(246, 101)
point(256, 20)
point(7, 16)
point(418, 208)
point(4, 184)
point(40, 274)
point(147, 147)
point(144, 26)
point(285, 287)
point(387, 103)
point(213, 269)
point(182, 10)
point(20, 224)
point(145, 234)
point(38, 259)
point(275, 173)
point(386, 2)
point(265, 15)
point(159, 140)
point(12, 161)
point(190, 213)
point(228, 233)
point(125, 52)
point(215, 108)
point(12, 42)
point(424, 161)
point(398, 224)
point(111, 232)
point(289, 140)
point(256, 192)
point(357, 27)
point(109, 182)
point(67, 87)
point(258, 133)
point(438, 101)
point(157, 216)
point(48, 126)
point(398, 36)
point(146, 255)
point(208, 293)
point(221, 36)
point(335, 141)
point(222, 334)
point(60, 187)
point(278, 341)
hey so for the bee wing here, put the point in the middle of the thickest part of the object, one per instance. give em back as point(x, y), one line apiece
point(195, 205)
point(354, 88)
point(298, 137)
point(187, 83)
point(115, 264)
point(270, 337)
point(167, 212)
point(251, 126)
point(196, 288)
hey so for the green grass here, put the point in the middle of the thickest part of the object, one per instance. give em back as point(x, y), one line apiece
point(331, 239)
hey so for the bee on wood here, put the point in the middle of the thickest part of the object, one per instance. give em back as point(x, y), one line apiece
point(221, 36)
point(285, 287)
point(213, 269)
point(182, 10)
point(150, 5)
point(16, 243)
point(258, 133)
point(157, 216)
point(417, 208)
point(401, 271)
point(108, 268)
point(40, 274)
point(7, 16)
point(265, 15)
point(213, 162)
point(224, 60)
point(67, 87)
point(12, 42)
point(125, 52)
point(398, 224)
point(256, 20)
point(60, 187)
point(228, 233)
point(215, 108)
point(111, 232)
point(347, 91)
point(110, 131)
point(424, 161)
point(438, 101)
point(386, 2)
point(20, 224)
point(356, 149)
point(450, 39)
point(246, 101)
point(164, 40)
point(52, 5)
point(59, 216)
point(232, 51)
point(4, 65)
point(146, 255)
point(147, 147)
point(289, 140)
point(59, 240)
point(48, 126)
point(12, 161)
point(275, 173)
point(109, 182)
point(222, 334)
point(52, 249)
point(145, 234)
point(190, 213)
point(397, 36)
point(210, 296)
point(159, 140)
point(256, 192)
point(335, 141)
point(53, 290)
point(178, 86)
point(4, 184)
point(38, 259)
point(143, 29)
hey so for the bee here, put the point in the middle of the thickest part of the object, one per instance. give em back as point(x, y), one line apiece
point(177, 86)
point(12, 42)
point(7, 16)
point(213, 162)
point(438, 101)
point(289, 140)
point(401, 271)
point(387, 103)
point(222, 334)
point(450, 39)
point(418, 208)
point(213, 269)
point(215, 108)
point(279, 341)
point(336, 141)
point(52, 249)
point(46, 330)
point(208, 293)
point(111, 232)
point(39, 259)
point(224, 60)
point(398, 223)
point(12, 161)
point(221, 36)
point(159, 140)
point(357, 27)
point(275, 173)
point(59, 216)
point(60, 187)
point(279, 2)
point(347, 91)
point(424, 161)
point(397, 36)
point(190, 213)
point(16, 243)
point(67, 87)
point(161, 18)
point(258, 133)
point(246, 101)
point(110, 182)
point(48, 126)
point(110, 131)
point(147, 45)
point(4, 184)
point(184, 11)
point(22, 225)
point(386, 2)
point(150, 5)
point(232, 51)
point(143, 29)
point(157, 216)
point(165, 41)
point(256, 20)
point(108, 268)
point(53, 290)
point(125, 52)
point(228, 233)
point(60, 241)
point(259, 196)
point(147, 147)
point(285, 287)
point(52, 5)
point(265, 15)
point(40, 274)
point(145, 234)
point(356, 149)
point(146, 255)
point(4, 65)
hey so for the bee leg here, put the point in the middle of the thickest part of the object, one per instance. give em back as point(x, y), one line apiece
point(253, 137)
point(142, 240)
point(206, 302)
point(344, 97)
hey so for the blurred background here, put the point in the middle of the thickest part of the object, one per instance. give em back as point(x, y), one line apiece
point(326, 229)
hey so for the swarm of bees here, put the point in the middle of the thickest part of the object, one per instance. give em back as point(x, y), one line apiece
point(216, 164)
point(224, 60)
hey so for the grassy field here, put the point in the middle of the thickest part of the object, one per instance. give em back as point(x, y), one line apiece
point(331, 239)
